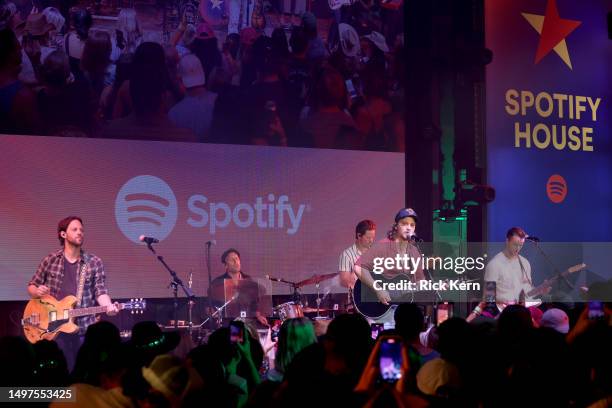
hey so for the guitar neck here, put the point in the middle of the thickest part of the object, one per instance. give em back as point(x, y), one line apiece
point(550, 281)
point(89, 311)
point(540, 288)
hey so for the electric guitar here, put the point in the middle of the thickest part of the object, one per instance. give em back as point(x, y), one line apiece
point(543, 287)
point(46, 317)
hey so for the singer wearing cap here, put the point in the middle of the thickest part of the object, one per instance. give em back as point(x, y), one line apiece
point(398, 242)
point(510, 271)
point(72, 271)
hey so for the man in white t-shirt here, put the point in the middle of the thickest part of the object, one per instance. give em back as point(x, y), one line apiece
point(510, 271)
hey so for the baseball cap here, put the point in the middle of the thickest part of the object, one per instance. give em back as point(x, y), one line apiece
point(437, 373)
point(555, 319)
point(406, 212)
point(191, 71)
point(349, 40)
point(37, 25)
point(379, 40)
point(168, 375)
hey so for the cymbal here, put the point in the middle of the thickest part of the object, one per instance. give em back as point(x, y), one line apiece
point(315, 279)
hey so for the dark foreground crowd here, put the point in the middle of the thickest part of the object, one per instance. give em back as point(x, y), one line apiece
point(520, 358)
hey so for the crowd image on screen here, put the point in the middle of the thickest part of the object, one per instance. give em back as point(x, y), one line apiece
point(283, 77)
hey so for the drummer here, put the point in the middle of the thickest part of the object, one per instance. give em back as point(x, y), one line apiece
point(233, 270)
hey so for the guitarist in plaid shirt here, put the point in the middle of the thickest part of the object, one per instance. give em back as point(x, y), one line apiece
point(58, 275)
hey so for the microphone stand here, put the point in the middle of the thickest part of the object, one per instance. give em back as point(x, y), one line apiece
point(219, 310)
point(208, 298)
point(427, 271)
point(174, 283)
point(551, 263)
point(296, 293)
point(318, 300)
point(190, 303)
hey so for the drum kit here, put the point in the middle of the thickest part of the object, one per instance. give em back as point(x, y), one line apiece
point(295, 308)
point(284, 311)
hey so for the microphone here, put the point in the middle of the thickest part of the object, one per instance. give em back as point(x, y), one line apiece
point(532, 238)
point(416, 238)
point(211, 242)
point(273, 278)
point(148, 240)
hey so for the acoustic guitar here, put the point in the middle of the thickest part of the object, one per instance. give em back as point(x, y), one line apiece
point(367, 304)
point(46, 317)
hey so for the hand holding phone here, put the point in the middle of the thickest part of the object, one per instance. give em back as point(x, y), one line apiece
point(377, 328)
point(391, 359)
point(388, 362)
point(236, 333)
point(596, 310)
point(490, 292)
point(442, 313)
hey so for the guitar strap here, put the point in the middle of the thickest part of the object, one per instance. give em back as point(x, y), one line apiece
point(524, 271)
point(81, 274)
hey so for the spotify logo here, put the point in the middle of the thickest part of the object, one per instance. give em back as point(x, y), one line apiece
point(146, 205)
point(556, 188)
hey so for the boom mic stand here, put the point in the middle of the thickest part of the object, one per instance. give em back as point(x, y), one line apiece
point(174, 283)
point(415, 241)
point(550, 262)
point(208, 269)
point(296, 293)
point(219, 310)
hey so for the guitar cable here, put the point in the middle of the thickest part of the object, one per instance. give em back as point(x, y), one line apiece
point(15, 314)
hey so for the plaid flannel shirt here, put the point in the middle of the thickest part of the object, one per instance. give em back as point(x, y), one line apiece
point(50, 273)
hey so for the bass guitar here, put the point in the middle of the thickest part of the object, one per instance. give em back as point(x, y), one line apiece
point(46, 317)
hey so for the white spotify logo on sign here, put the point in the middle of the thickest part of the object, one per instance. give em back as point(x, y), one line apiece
point(146, 205)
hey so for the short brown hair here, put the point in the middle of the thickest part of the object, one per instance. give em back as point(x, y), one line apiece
point(227, 253)
point(363, 227)
point(62, 226)
point(518, 231)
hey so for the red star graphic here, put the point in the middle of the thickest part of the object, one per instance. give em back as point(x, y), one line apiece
point(554, 30)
